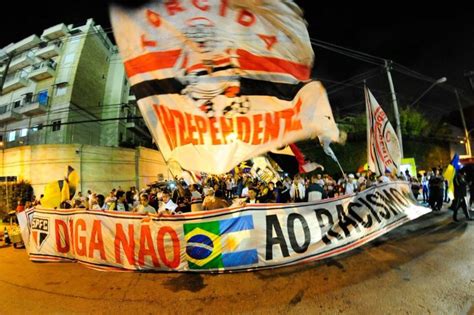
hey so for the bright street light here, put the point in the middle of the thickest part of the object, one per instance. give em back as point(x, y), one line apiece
point(439, 81)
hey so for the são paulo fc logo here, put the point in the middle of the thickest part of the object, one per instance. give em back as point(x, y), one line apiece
point(39, 231)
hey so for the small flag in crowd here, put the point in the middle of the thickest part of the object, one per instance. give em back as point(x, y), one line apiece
point(449, 174)
point(60, 190)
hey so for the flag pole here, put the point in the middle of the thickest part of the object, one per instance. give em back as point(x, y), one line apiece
point(388, 65)
point(327, 149)
point(367, 123)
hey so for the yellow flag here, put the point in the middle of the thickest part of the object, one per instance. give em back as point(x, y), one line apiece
point(60, 190)
point(54, 194)
point(449, 176)
point(72, 180)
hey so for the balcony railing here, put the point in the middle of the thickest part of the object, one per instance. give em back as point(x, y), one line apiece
point(137, 125)
point(33, 105)
point(15, 81)
point(7, 113)
point(49, 50)
point(43, 70)
point(21, 61)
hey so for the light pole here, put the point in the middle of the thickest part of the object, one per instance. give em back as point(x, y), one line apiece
point(468, 141)
point(439, 81)
point(388, 65)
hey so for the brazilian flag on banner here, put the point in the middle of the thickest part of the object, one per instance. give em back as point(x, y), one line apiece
point(220, 244)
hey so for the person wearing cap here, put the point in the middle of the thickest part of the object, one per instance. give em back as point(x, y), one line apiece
point(386, 178)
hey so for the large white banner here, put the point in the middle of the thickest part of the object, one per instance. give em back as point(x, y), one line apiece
point(219, 82)
point(253, 237)
point(383, 147)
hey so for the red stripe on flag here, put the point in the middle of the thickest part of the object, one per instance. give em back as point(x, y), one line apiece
point(299, 157)
point(152, 61)
point(249, 61)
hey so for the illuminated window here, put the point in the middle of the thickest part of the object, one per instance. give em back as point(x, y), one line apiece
point(11, 136)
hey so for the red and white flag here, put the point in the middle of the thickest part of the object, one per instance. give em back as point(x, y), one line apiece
point(383, 148)
point(219, 82)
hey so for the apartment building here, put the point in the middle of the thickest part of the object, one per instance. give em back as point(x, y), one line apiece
point(65, 100)
point(67, 86)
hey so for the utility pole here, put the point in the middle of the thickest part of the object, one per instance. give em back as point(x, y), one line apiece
point(468, 142)
point(395, 105)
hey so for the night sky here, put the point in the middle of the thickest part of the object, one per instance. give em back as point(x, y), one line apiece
point(435, 41)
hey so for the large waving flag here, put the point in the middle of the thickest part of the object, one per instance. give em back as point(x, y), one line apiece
point(383, 148)
point(220, 82)
point(60, 190)
point(449, 174)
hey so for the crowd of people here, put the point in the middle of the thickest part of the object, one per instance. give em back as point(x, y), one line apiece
point(216, 192)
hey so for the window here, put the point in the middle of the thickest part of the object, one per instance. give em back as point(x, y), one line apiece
point(16, 103)
point(56, 125)
point(11, 136)
point(23, 132)
point(61, 89)
point(27, 98)
point(69, 58)
point(37, 127)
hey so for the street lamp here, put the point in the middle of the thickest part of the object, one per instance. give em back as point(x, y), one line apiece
point(439, 81)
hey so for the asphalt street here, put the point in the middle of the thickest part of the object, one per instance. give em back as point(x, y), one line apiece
point(423, 267)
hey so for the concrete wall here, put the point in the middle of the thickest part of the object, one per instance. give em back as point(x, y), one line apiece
point(100, 168)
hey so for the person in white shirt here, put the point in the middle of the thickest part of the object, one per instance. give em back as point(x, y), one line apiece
point(386, 178)
point(350, 186)
point(252, 198)
point(144, 207)
point(167, 206)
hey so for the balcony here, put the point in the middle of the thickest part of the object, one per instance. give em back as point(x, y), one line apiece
point(33, 105)
point(54, 32)
point(23, 45)
point(7, 114)
point(137, 126)
point(43, 70)
point(15, 81)
point(49, 50)
point(21, 61)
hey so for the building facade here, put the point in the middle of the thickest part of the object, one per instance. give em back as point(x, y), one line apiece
point(67, 86)
point(67, 89)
